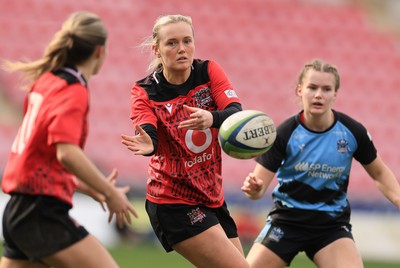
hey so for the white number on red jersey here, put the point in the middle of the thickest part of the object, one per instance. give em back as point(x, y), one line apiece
point(34, 102)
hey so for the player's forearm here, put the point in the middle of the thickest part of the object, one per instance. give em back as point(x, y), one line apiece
point(220, 116)
point(84, 188)
point(387, 183)
point(76, 162)
point(254, 195)
point(390, 189)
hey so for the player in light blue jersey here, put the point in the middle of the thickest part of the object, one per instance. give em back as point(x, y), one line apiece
point(312, 158)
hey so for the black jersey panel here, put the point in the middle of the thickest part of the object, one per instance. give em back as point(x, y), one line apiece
point(160, 90)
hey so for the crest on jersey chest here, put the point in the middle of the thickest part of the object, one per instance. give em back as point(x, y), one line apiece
point(342, 146)
point(203, 98)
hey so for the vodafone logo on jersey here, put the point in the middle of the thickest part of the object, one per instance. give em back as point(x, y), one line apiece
point(198, 141)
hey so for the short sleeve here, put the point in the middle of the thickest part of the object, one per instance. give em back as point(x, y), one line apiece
point(67, 114)
point(222, 89)
point(141, 108)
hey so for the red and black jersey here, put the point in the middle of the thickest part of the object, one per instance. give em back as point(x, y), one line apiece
point(186, 167)
point(55, 110)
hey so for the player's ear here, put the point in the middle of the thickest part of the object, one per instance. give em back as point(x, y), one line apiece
point(299, 90)
point(335, 96)
point(99, 51)
point(155, 51)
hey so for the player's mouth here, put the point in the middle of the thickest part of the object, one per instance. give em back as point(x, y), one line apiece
point(317, 104)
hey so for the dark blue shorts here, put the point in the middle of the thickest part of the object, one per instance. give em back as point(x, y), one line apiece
point(38, 226)
point(287, 241)
point(175, 223)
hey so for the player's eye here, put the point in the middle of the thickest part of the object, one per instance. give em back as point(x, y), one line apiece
point(171, 43)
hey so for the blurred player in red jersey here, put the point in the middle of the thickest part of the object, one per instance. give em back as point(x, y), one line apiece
point(47, 163)
point(176, 111)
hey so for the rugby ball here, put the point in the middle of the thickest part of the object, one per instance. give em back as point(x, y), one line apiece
point(247, 134)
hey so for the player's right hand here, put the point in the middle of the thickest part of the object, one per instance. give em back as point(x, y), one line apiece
point(140, 144)
point(252, 186)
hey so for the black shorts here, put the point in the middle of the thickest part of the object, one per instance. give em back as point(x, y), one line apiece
point(287, 241)
point(38, 226)
point(174, 223)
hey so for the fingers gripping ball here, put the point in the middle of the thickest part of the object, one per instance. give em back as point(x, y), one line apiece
point(247, 134)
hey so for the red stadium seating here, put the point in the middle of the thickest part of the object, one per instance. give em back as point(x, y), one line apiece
point(261, 44)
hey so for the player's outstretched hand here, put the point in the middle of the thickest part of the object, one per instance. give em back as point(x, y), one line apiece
point(140, 144)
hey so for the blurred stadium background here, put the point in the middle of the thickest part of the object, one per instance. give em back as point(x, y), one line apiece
point(261, 44)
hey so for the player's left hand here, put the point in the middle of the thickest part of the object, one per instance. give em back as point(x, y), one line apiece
point(112, 179)
point(199, 119)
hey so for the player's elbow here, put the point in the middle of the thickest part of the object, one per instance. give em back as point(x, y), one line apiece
point(65, 153)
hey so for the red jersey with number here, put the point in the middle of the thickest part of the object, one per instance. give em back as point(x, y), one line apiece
point(186, 167)
point(55, 111)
